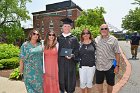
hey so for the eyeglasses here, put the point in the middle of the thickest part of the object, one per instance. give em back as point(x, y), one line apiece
point(85, 33)
point(104, 28)
point(51, 34)
point(35, 34)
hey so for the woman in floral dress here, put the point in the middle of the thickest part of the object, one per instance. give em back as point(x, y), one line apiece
point(31, 63)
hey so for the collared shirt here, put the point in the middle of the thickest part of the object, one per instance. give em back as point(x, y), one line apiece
point(106, 48)
point(65, 35)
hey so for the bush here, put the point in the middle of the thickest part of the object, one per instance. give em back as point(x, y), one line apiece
point(8, 51)
point(1, 66)
point(15, 74)
point(77, 31)
point(10, 63)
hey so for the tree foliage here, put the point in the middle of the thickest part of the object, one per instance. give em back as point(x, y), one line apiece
point(12, 12)
point(12, 33)
point(78, 30)
point(90, 19)
point(136, 2)
point(131, 22)
point(93, 17)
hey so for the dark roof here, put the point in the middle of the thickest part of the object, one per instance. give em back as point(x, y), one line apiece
point(59, 6)
point(27, 29)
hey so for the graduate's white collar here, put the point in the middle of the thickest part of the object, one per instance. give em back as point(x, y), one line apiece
point(65, 35)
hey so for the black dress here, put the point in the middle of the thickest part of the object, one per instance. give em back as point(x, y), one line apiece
point(67, 67)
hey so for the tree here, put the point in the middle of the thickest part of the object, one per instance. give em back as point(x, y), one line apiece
point(131, 22)
point(90, 19)
point(137, 2)
point(93, 17)
point(12, 12)
point(77, 31)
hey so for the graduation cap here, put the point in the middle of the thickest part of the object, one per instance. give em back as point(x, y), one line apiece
point(67, 21)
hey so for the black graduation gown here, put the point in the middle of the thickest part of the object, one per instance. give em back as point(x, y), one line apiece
point(67, 67)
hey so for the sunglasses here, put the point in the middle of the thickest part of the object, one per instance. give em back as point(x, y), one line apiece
point(35, 34)
point(85, 33)
point(104, 28)
point(51, 34)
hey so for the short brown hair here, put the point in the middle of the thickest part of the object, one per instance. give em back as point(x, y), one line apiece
point(31, 33)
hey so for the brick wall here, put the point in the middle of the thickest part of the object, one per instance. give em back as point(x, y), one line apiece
point(42, 21)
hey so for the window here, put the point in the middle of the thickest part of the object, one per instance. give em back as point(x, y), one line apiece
point(42, 32)
point(61, 24)
point(37, 17)
point(51, 24)
point(69, 12)
point(37, 25)
point(42, 24)
point(51, 29)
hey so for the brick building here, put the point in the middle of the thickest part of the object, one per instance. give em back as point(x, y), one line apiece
point(49, 20)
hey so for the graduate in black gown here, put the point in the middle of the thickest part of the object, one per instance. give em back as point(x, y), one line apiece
point(67, 64)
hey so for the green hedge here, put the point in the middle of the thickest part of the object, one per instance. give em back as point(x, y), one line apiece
point(1, 66)
point(8, 51)
point(10, 63)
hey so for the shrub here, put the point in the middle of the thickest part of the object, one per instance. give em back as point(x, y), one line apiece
point(77, 31)
point(1, 66)
point(77, 70)
point(10, 63)
point(8, 51)
point(15, 74)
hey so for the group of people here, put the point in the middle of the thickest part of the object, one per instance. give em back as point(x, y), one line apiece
point(94, 56)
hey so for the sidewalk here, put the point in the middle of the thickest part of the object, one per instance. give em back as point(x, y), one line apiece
point(8, 86)
point(133, 84)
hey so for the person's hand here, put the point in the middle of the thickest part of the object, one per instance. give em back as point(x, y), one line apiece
point(68, 57)
point(116, 70)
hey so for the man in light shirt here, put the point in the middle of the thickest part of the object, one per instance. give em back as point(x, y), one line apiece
point(107, 49)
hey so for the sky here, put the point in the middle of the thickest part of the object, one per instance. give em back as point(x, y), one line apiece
point(115, 9)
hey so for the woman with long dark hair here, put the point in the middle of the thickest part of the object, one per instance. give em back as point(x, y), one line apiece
point(51, 82)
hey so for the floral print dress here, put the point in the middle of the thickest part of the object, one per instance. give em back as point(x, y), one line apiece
point(32, 58)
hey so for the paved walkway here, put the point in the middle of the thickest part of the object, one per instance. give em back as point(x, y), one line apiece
point(8, 86)
point(133, 84)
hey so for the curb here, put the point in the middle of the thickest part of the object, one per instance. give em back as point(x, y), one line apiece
point(125, 77)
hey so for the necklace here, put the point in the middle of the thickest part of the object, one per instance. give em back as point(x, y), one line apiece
point(86, 43)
